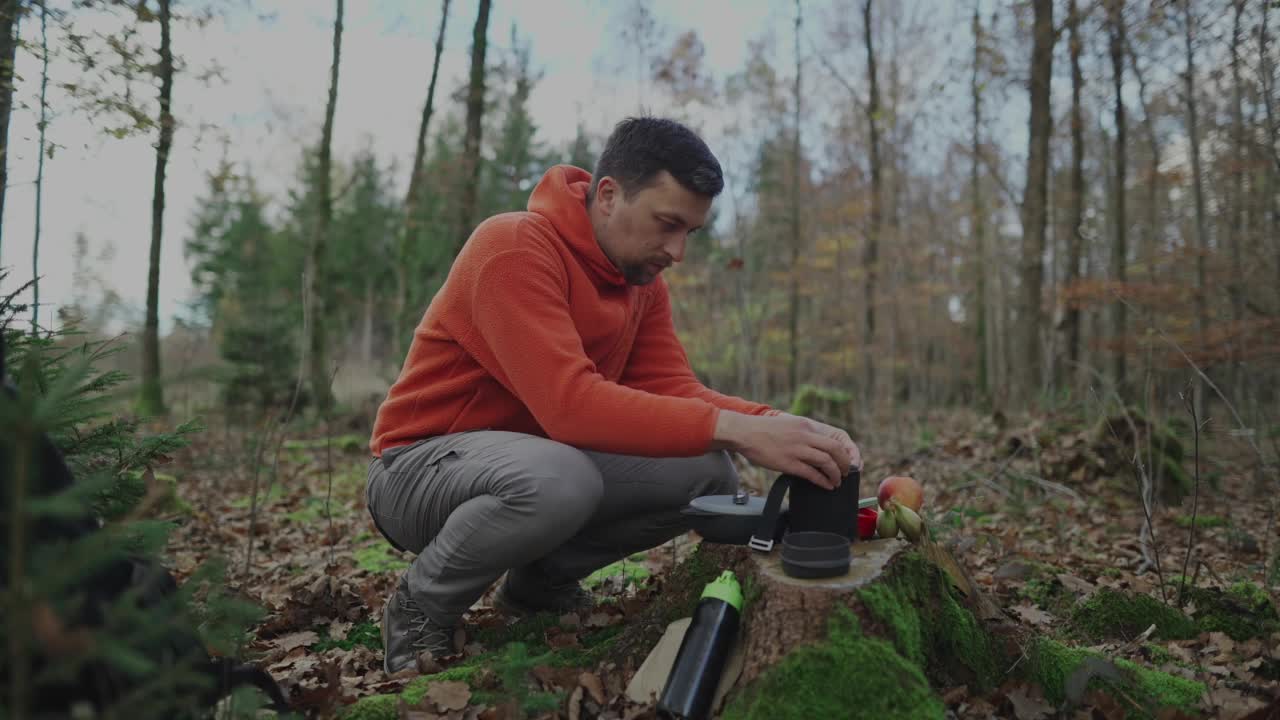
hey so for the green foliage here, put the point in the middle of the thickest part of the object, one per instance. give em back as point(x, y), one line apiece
point(62, 545)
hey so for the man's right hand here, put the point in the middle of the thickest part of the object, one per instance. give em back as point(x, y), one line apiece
point(787, 443)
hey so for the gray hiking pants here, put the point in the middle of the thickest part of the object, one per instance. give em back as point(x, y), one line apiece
point(476, 504)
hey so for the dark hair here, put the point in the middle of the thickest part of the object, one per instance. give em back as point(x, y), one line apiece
point(641, 147)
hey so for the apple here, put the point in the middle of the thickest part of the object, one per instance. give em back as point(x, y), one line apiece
point(901, 489)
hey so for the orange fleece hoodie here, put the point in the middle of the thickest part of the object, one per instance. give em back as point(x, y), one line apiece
point(535, 331)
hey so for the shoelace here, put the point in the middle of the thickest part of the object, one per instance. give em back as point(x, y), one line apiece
point(430, 635)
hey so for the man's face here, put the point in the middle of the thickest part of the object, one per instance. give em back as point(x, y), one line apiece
point(646, 234)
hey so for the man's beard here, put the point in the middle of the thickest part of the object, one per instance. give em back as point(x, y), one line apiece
point(638, 273)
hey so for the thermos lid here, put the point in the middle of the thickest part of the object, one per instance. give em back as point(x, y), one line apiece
point(725, 588)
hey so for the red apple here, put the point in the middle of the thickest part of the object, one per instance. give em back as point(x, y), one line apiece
point(905, 490)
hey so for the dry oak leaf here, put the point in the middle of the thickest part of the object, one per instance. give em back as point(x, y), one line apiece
point(591, 683)
point(449, 694)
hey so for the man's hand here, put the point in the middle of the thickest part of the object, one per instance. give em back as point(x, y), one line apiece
point(790, 444)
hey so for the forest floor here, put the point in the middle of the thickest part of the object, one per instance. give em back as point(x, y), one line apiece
point(1043, 517)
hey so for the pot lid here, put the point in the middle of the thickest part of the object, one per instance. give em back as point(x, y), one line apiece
point(725, 505)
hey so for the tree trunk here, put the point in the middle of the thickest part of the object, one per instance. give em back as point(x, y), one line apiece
point(152, 400)
point(408, 223)
point(793, 315)
point(366, 336)
point(475, 113)
point(979, 221)
point(1035, 198)
point(10, 12)
point(1149, 250)
point(1236, 287)
point(1119, 254)
point(316, 287)
point(1075, 237)
point(870, 260)
point(1202, 231)
point(1273, 133)
point(44, 123)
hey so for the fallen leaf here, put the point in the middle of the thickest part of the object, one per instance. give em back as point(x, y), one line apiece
point(561, 640)
point(955, 695)
point(1076, 585)
point(1106, 704)
point(296, 640)
point(592, 683)
point(575, 704)
point(449, 694)
point(427, 664)
point(602, 619)
point(1028, 703)
point(1223, 641)
point(1033, 614)
point(1015, 570)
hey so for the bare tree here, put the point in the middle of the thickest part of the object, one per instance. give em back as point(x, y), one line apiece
point(475, 113)
point(978, 211)
point(871, 257)
point(318, 367)
point(1197, 191)
point(1075, 241)
point(44, 124)
point(1236, 287)
point(1153, 169)
point(1035, 196)
point(10, 12)
point(152, 399)
point(408, 225)
point(1119, 255)
point(793, 315)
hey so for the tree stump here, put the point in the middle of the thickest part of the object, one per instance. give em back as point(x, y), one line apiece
point(873, 638)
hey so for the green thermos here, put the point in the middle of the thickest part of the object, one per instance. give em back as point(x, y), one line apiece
point(691, 686)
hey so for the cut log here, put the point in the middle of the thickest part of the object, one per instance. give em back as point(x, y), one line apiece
point(885, 640)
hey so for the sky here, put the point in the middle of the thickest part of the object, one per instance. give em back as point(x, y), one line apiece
point(275, 56)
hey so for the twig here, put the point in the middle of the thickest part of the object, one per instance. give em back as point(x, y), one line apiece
point(1195, 499)
point(284, 421)
point(328, 467)
point(1150, 555)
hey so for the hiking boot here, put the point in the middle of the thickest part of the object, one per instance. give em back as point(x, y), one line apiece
point(407, 631)
point(533, 598)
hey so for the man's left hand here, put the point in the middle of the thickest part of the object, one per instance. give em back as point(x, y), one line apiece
point(841, 437)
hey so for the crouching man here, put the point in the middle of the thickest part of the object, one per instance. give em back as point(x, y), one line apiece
point(546, 421)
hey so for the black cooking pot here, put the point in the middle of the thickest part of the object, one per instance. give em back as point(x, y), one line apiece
point(760, 522)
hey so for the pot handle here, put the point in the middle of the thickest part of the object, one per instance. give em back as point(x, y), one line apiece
point(767, 529)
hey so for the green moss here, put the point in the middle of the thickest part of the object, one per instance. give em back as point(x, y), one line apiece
point(379, 558)
point(1158, 654)
point(373, 707)
point(1050, 664)
point(1163, 689)
point(929, 627)
point(1202, 521)
point(632, 571)
point(847, 670)
point(1243, 611)
point(890, 608)
point(1112, 614)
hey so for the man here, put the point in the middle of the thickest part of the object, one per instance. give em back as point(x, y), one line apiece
point(546, 421)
